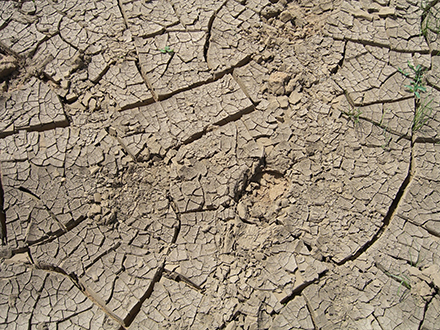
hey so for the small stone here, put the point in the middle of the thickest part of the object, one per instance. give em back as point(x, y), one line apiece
point(28, 7)
point(71, 97)
point(387, 11)
point(65, 84)
point(242, 211)
point(94, 169)
point(294, 97)
point(97, 198)
point(94, 209)
point(92, 104)
point(285, 16)
point(283, 101)
point(277, 82)
point(270, 11)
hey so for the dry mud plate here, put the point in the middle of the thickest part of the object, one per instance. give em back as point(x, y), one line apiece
point(220, 164)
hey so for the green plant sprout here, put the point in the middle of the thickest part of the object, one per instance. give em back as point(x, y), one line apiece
point(387, 138)
point(166, 50)
point(354, 115)
point(423, 108)
point(422, 114)
point(416, 85)
point(418, 261)
point(404, 281)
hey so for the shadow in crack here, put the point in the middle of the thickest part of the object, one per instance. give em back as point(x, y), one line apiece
point(3, 233)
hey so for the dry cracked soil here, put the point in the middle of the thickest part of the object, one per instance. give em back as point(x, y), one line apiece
point(220, 164)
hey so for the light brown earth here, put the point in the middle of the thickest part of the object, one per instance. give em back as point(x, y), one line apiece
point(219, 164)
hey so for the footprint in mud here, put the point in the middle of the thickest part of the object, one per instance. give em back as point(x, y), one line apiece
point(262, 198)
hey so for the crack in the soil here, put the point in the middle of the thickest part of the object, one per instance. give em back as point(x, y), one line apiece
point(223, 122)
point(298, 291)
point(311, 312)
point(146, 81)
point(208, 33)
point(124, 16)
point(49, 237)
point(177, 213)
point(341, 61)
point(177, 277)
point(381, 45)
point(137, 308)
point(390, 214)
point(112, 248)
point(3, 229)
point(52, 215)
point(37, 128)
point(56, 269)
point(215, 76)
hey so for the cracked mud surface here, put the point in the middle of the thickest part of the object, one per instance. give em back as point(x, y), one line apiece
point(218, 164)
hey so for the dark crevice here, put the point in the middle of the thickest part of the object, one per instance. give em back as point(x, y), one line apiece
point(52, 215)
point(37, 128)
point(27, 191)
point(377, 321)
point(341, 61)
point(365, 104)
point(208, 34)
point(208, 37)
point(220, 123)
point(378, 44)
point(205, 209)
point(174, 207)
point(171, 275)
point(113, 248)
point(56, 269)
point(298, 291)
point(3, 229)
point(390, 214)
point(216, 76)
point(146, 81)
point(121, 9)
point(136, 309)
point(420, 327)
